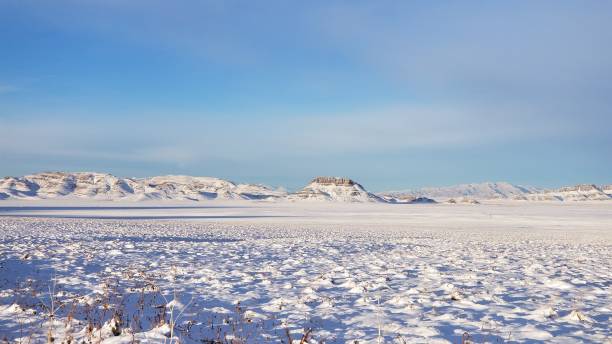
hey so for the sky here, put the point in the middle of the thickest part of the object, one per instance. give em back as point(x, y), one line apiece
point(394, 94)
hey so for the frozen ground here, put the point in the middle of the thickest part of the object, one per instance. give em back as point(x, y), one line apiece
point(260, 272)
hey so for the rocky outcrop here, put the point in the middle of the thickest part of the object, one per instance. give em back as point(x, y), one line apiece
point(462, 200)
point(333, 181)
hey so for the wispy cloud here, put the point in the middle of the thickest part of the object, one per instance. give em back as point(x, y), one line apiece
point(173, 140)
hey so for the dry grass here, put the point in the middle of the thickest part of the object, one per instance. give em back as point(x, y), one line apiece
point(126, 308)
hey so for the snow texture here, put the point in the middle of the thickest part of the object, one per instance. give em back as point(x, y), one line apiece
point(244, 272)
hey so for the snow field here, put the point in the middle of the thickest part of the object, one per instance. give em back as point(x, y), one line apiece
point(340, 280)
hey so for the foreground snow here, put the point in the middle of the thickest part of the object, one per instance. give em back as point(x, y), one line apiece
point(262, 272)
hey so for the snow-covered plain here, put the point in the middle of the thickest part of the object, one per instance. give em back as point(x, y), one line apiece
point(260, 272)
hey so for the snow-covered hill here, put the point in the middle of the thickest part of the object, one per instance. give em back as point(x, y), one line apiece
point(499, 190)
point(581, 192)
point(334, 189)
point(504, 190)
point(102, 186)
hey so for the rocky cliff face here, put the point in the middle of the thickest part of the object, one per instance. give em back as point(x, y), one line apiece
point(334, 189)
point(101, 186)
point(333, 181)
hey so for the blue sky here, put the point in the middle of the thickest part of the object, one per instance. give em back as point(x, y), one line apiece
point(395, 94)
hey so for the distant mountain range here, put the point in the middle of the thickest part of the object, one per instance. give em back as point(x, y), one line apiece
point(503, 190)
point(500, 190)
point(101, 186)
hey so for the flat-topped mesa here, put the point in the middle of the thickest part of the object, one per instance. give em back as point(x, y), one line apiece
point(580, 187)
point(334, 189)
point(334, 181)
